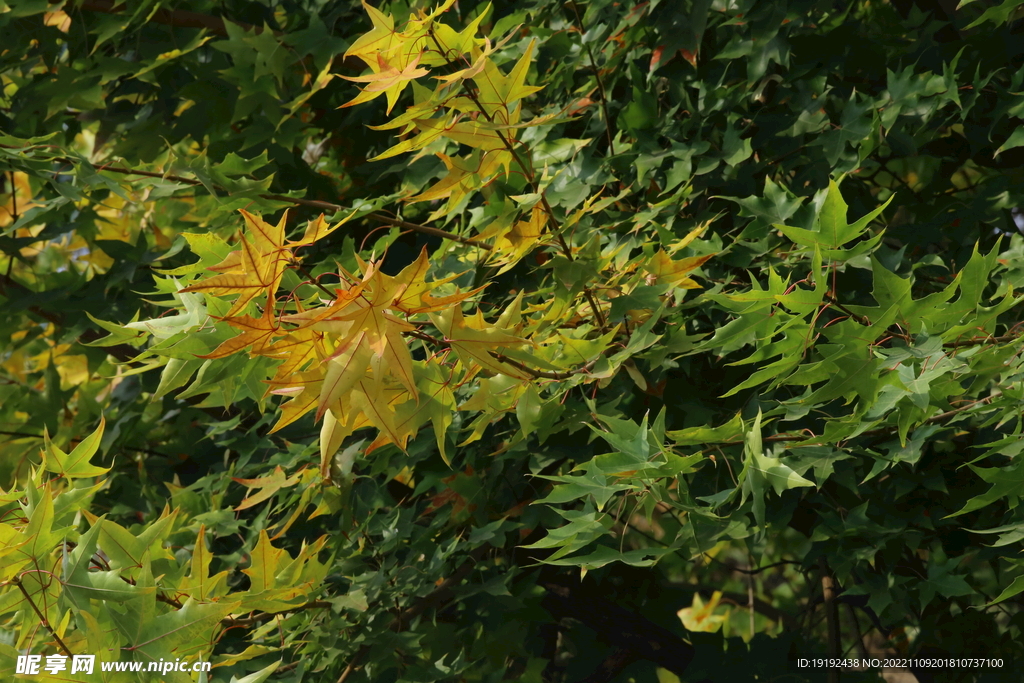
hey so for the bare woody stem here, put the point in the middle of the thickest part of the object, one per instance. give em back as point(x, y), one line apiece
point(859, 319)
point(831, 616)
point(423, 336)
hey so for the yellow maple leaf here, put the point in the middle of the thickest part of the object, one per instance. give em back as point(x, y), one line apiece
point(255, 332)
point(669, 271)
point(477, 344)
point(262, 258)
point(511, 247)
point(498, 93)
point(699, 617)
point(389, 79)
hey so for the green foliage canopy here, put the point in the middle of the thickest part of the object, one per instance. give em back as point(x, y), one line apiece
point(536, 341)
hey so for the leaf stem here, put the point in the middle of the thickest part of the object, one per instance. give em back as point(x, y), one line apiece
point(42, 618)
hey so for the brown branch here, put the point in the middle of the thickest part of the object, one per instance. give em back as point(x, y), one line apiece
point(617, 660)
point(423, 336)
point(382, 218)
point(536, 373)
point(312, 203)
point(859, 319)
point(597, 77)
point(442, 594)
point(268, 616)
point(976, 341)
point(176, 18)
point(831, 617)
point(8, 282)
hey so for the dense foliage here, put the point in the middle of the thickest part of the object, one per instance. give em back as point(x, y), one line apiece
point(540, 341)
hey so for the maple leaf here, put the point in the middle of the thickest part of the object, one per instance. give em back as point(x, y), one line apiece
point(255, 332)
point(474, 344)
point(268, 486)
point(669, 271)
point(304, 388)
point(381, 38)
point(296, 348)
point(497, 92)
point(343, 370)
point(389, 79)
point(319, 228)
point(74, 465)
point(165, 327)
point(413, 291)
point(263, 259)
point(700, 617)
point(520, 239)
point(378, 405)
point(460, 181)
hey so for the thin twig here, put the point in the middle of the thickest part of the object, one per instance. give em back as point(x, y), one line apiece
point(597, 77)
point(423, 336)
point(268, 616)
point(859, 319)
point(531, 180)
point(311, 203)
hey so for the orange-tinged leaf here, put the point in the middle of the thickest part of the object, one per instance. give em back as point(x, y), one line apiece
point(256, 332)
point(379, 407)
point(304, 400)
point(700, 617)
point(263, 259)
point(520, 239)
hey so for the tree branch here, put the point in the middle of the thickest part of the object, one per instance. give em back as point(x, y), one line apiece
point(617, 625)
point(442, 594)
point(831, 617)
point(312, 203)
point(268, 616)
point(176, 18)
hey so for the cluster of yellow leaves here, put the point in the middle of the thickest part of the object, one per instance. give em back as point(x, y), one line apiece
point(348, 357)
point(474, 104)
